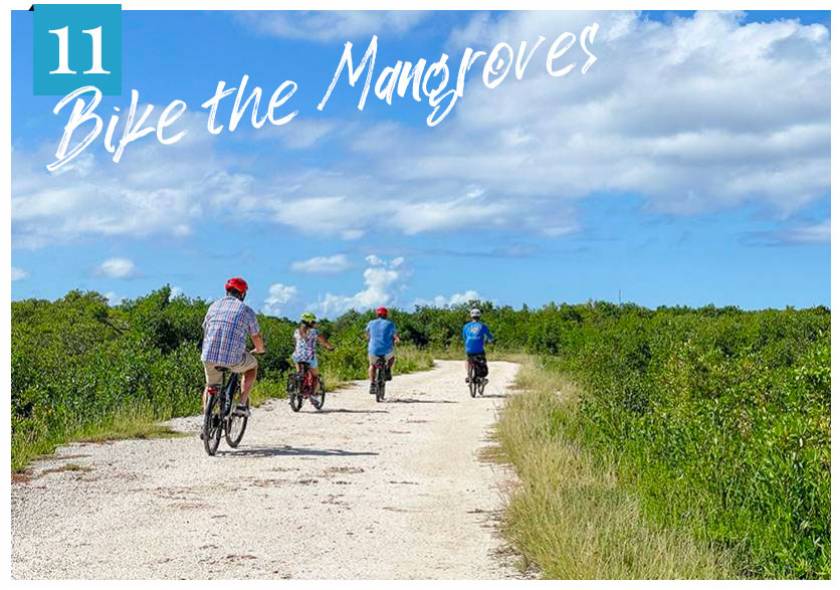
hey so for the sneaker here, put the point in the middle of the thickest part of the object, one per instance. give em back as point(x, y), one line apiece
point(485, 381)
point(372, 388)
point(242, 411)
point(387, 374)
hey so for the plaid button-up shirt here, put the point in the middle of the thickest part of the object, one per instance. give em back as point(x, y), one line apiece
point(226, 326)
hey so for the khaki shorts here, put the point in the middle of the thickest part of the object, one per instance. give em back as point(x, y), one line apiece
point(213, 376)
point(372, 357)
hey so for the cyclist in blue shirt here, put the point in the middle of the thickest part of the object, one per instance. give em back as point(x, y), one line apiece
point(475, 334)
point(381, 334)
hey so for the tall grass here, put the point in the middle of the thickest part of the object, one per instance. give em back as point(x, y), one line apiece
point(570, 516)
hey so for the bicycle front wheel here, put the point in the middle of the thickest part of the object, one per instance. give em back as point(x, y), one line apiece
point(212, 427)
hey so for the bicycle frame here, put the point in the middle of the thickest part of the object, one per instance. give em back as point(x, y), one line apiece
point(306, 380)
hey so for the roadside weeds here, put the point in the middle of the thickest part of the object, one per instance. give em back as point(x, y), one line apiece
point(569, 516)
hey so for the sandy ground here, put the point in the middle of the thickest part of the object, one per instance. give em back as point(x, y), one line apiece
point(359, 490)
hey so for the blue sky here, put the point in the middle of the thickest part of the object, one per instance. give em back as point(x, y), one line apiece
point(690, 165)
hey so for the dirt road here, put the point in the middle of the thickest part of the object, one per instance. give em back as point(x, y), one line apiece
point(359, 490)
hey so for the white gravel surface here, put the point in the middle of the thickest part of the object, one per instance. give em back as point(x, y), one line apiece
point(359, 490)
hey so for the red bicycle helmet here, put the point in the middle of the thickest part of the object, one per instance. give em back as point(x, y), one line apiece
point(382, 312)
point(237, 284)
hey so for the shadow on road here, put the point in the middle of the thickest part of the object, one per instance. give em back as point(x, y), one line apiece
point(410, 400)
point(287, 451)
point(345, 411)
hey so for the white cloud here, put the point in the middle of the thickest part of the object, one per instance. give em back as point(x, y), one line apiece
point(175, 291)
point(320, 214)
point(322, 264)
point(669, 111)
point(155, 189)
point(383, 280)
point(324, 26)
point(817, 233)
point(454, 299)
point(18, 274)
point(688, 114)
point(113, 298)
point(305, 133)
point(117, 268)
point(351, 234)
point(278, 296)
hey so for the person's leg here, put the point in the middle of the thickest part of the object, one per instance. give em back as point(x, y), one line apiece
point(212, 379)
point(314, 370)
point(248, 371)
point(248, 379)
point(390, 360)
point(372, 372)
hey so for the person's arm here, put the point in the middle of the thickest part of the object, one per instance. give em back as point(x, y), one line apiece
point(325, 343)
point(256, 335)
point(396, 338)
point(259, 343)
point(489, 335)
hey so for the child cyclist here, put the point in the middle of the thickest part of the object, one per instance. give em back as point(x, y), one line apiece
point(307, 339)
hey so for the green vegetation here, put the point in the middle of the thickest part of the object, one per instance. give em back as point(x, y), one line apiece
point(709, 427)
point(716, 420)
point(569, 515)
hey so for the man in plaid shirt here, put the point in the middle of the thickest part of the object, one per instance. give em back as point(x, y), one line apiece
point(227, 325)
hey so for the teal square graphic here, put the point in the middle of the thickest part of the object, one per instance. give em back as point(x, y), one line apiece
point(77, 45)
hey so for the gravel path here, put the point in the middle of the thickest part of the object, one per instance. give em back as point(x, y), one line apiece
point(359, 490)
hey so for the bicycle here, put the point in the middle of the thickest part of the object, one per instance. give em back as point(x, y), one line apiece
point(379, 378)
point(475, 381)
point(301, 386)
point(219, 415)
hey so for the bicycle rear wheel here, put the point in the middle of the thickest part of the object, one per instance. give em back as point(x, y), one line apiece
point(472, 383)
point(235, 424)
point(213, 424)
point(296, 401)
point(293, 387)
point(235, 429)
point(380, 385)
point(319, 397)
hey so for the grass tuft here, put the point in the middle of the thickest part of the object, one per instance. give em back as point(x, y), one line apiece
point(569, 516)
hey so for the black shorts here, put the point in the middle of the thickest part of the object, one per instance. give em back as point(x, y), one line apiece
point(478, 356)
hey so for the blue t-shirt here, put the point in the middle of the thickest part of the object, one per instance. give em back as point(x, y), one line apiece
point(381, 332)
point(474, 334)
